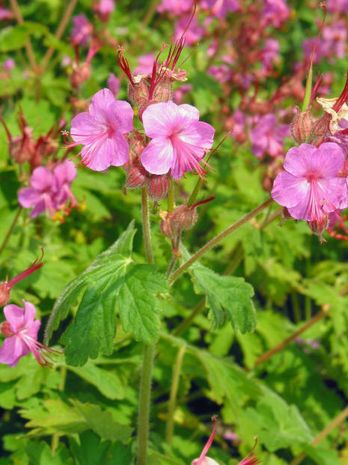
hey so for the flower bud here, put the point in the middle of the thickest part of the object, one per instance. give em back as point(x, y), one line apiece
point(301, 126)
point(136, 177)
point(181, 219)
point(5, 290)
point(80, 74)
point(158, 187)
point(5, 329)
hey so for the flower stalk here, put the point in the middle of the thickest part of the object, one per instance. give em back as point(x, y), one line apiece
point(217, 239)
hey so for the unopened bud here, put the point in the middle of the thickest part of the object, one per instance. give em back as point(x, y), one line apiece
point(80, 74)
point(5, 329)
point(181, 219)
point(301, 126)
point(136, 177)
point(5, 291)
point(205, 461)
point(158, 187)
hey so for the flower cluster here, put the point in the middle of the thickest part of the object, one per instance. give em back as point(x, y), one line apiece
point(177, 140)
point(313, 183)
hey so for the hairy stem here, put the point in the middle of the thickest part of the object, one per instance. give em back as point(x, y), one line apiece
point(292, 337)
point(148, 354)
point(146, 225)
point(173, 394)
point(10, 231)
point(323, 434)
point(60, 31)
point(217, 239)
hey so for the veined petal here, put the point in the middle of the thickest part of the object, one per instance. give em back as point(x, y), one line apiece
point(298, 159)
point(15, 316)
point(157, 157)
point(288, 190)
point(12, 350)
point(200, 136)
point(160, 119)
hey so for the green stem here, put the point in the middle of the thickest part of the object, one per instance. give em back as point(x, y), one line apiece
point(146, 225)
point(144, 404)
point(173, 394)
point(187, 322)
point(171, 196)
point(11, 229)
point(217, 239)
point(148, 354)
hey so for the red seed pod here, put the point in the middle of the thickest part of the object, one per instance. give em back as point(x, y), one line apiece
point(158, 187)
point(5, 291)
point(302, 126)
point(138, 91)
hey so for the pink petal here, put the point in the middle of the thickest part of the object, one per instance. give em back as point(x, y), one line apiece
point(157, 157)
point(41, 179)
point(298, 159)
point(29, 313)
point(65, 172)
point(125, 114)
point(85, 129)
point(328, 160)
point(15, 316)
point(199, 135)
point(190, 111)
point(28, 197)
point(288, 190)
point(100, 102)
point(113, 151)
point(12, 350)
point(160, 119)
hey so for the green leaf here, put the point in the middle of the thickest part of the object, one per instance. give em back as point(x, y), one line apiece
point(102, 423)
point(137, 302)
point(108, 383)
point(103, 274)
point(228, 297)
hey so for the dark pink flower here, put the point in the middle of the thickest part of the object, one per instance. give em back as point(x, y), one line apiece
point(104, 8)
point(220, 8)
point(82, 30)
point(145, 64)
point(268, 136)
point(175, 7)
point(49, 189)
point(312, 184)
point(114, 84)
point(102, 131)
point(334, 40)
point(21, 331)
point(222, 73)
point(275, 12)
point(179, 140)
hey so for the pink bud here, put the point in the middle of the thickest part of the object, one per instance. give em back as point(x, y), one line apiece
point(136, 177)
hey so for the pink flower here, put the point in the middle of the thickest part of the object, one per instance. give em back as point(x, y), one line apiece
point(220, 8)
point(190, 28)
point(49, 189)
point(114, 84)
point(82, 30)
point(176, 7)
point(104, 8)
point(179, 139)
point(102, 131)
point(222, 73)
point(267, 136)
point(275, 12)
point(5, 14)
point(180, 92)
point(312, 184)
point(270, 54)
point(21, 331)
point(145, 64)
point(9, 64)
